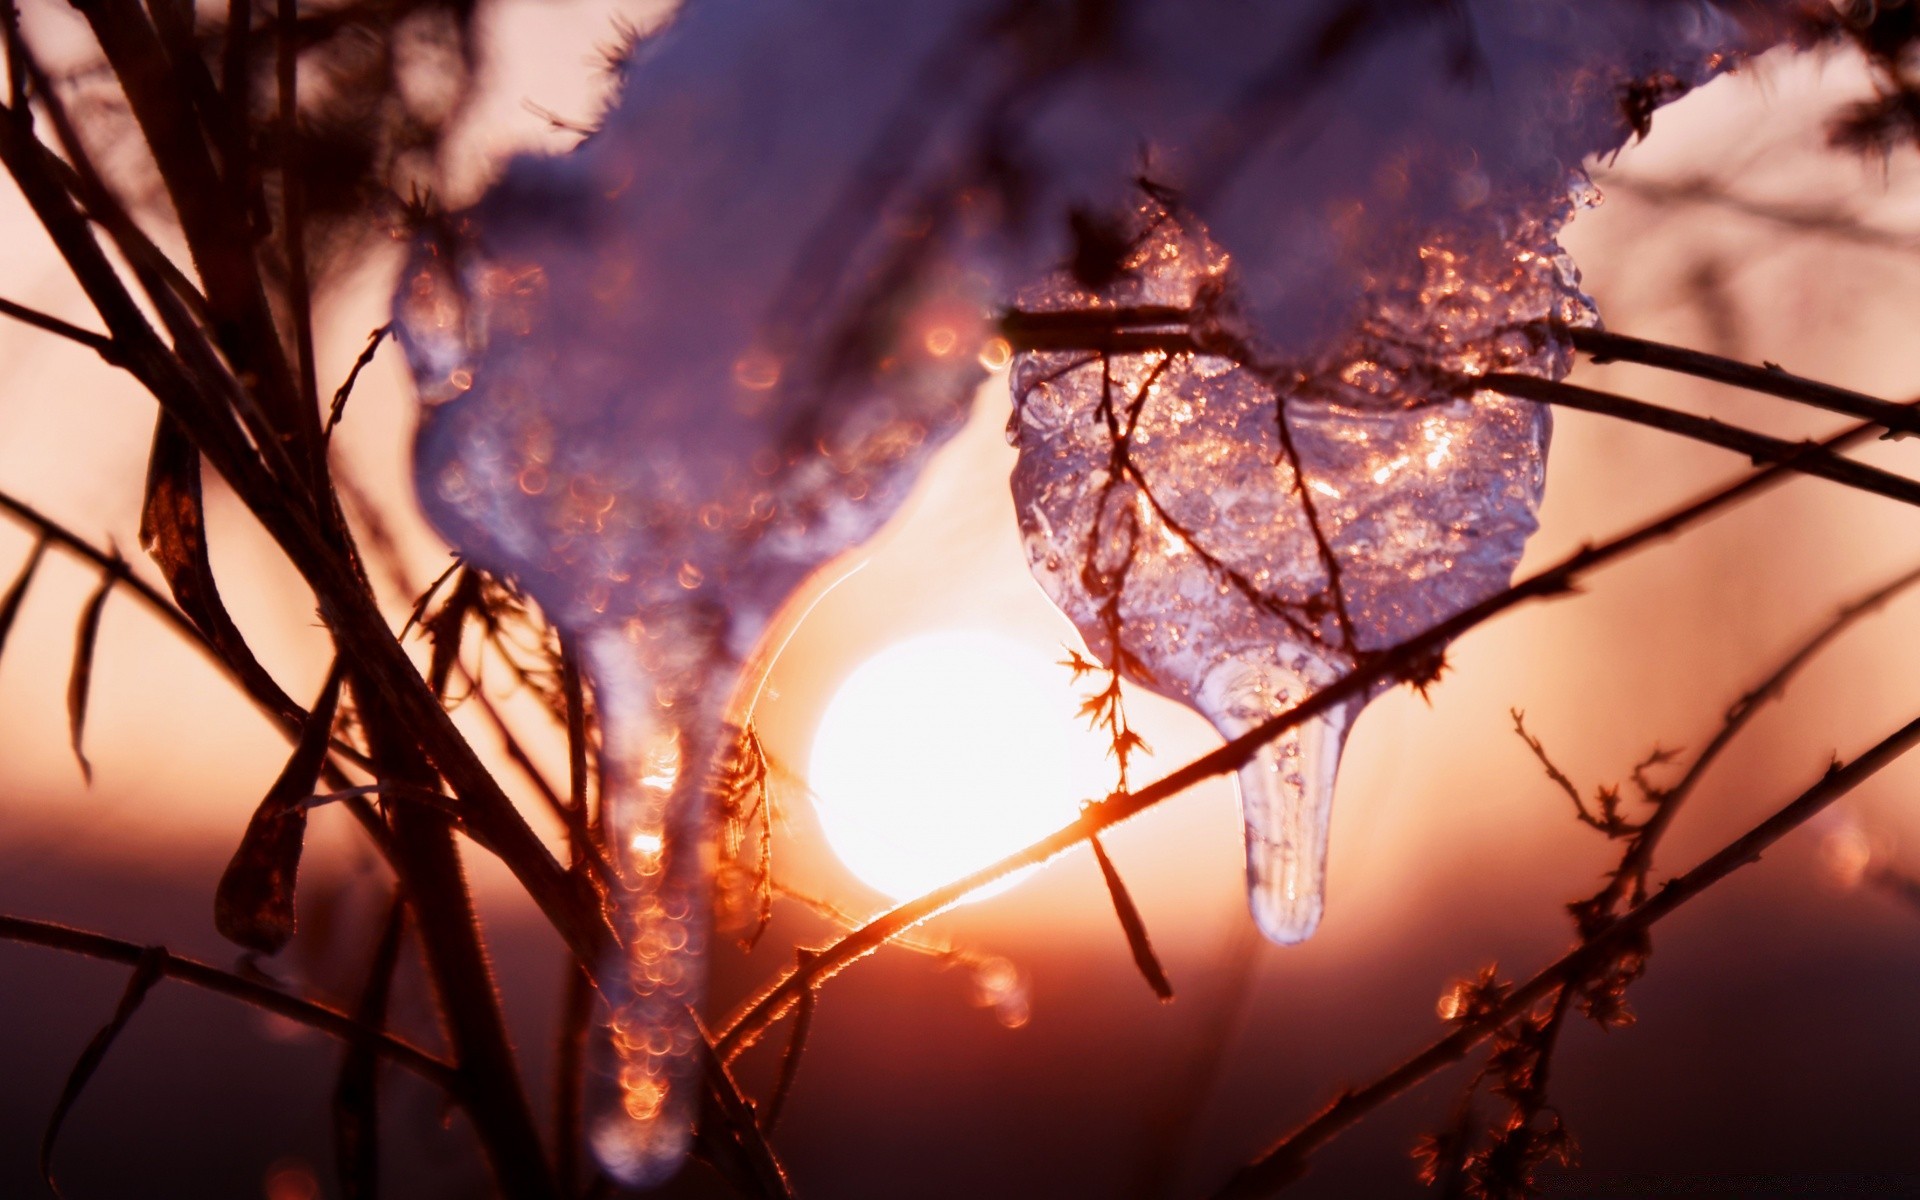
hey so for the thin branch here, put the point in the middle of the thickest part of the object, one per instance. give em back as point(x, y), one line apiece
point(1639, 856)
point(1807, 457)
point(569, 1070)
point(1557, 580)
point(99, 343)
point(769, 1115)
point(1768, 380)
point(1555, 774)
point(293, 222)
point(763, 1167)
point(1286, 1160)
point(1525, 1048)
point(339, 407)
point(1099, 329)
point(327, 1020)
point(282, 709)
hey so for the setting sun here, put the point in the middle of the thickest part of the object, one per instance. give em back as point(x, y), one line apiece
point(940, 754)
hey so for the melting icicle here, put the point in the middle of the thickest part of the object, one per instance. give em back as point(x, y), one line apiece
point(1163, 507)
point(1286, 792)
point(672, 526)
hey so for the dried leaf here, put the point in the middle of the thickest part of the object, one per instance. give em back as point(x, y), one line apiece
point(254, 904)
point(80, 682)
point(356, 1094)
point(173, 530)
point(1135, 928)
point(146, 972)
point(10, 603)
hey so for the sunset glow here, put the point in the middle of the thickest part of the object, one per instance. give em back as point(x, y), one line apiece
point(945, 752)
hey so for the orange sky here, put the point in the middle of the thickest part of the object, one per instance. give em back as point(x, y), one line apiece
point(1443, 826)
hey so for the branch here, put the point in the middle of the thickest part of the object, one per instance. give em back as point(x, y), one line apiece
point(1524, 1048)
point(1807, 457)
point(276, 705)
point(98, 343)
point(1287, 1159)
point(1639, 856)
point(1768, 380)
point(1171, 330)
point(1558, 580)
point(329, 1021)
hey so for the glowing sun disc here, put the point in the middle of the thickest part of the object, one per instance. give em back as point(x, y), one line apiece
point(946, 752)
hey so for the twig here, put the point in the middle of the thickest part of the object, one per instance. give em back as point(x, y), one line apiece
point(98, 343)
point(763, 1166)
point(1557, 580)
point(330, 1021)
point(339, 407)
point(769, 1115)
point(1769, 380)
point(1640, 853)
point(569, 1066)
point(1807, 456)
point(1286, 1160)
point(1595, 916)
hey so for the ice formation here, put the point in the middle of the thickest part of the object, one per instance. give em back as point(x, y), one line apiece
point(1235, 515)
point(665, 518)
point(673, 376)
point(1240, 563)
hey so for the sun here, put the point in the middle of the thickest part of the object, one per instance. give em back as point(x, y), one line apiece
point(946, 752)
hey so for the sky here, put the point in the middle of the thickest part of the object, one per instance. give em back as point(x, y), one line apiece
point(1774, 1039)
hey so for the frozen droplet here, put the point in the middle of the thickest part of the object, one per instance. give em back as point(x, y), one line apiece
point(1456, 1001)
point(1000, 985)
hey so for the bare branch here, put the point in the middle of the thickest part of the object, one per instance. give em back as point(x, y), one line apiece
point(1286, 1160)
point(1558, 580)
point(330, 1021)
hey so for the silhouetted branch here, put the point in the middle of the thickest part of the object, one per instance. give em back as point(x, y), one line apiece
point(1287, 1159)
point(1413, 655)
point(1806, 457)
point(98, 343)
point(312, 1014)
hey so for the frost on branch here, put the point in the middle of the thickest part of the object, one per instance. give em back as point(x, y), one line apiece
point(1236, 536)
point(676, 374)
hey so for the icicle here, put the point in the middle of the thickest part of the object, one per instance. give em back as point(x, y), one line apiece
point(676, 531)
point(660, 731)
point(1286, 792)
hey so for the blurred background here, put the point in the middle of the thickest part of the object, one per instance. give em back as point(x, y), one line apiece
point(1775, 1051)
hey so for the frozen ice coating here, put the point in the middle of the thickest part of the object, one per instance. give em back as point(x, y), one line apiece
point(1163, 510)
point(674, 376)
